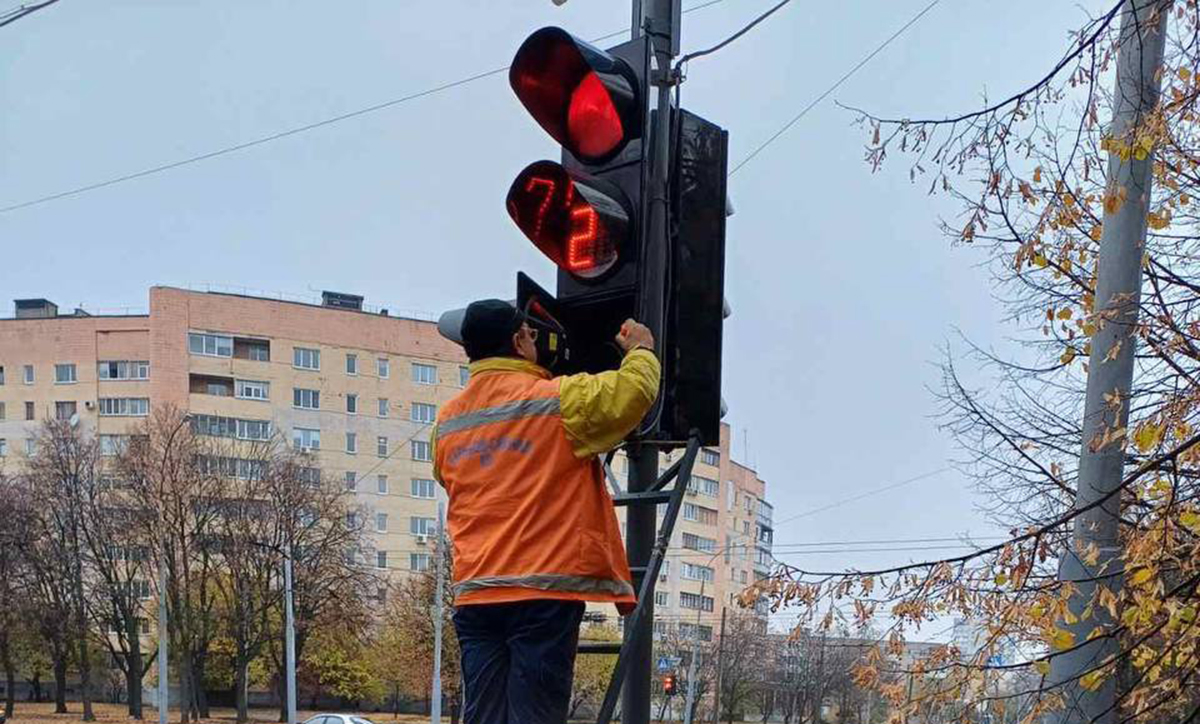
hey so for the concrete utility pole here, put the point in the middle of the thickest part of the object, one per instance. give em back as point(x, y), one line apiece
point(164, 690)
point(290, 638)
point(659, 19)
point(1118, 291)
point(435, 705)
point(720, 663)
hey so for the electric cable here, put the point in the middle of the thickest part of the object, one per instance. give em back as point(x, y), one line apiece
point(849, 74)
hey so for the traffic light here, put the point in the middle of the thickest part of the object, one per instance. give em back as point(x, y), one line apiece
point(670, 685)
point(585, 212)
point(588, 214)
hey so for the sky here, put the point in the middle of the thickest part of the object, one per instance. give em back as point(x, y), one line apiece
point(843, 290)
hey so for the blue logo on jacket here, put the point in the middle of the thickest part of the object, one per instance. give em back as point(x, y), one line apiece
point(487, 449)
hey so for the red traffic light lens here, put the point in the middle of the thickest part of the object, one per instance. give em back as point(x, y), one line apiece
point(579, 226)
point(593, 123)
point(583, 97)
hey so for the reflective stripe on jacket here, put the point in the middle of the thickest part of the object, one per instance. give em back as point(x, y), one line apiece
point(530, 516)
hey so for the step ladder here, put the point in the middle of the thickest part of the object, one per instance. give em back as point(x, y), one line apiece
point(680, 473)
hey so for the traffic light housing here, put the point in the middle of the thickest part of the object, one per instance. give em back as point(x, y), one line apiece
point(588, 214)
point(670, 685)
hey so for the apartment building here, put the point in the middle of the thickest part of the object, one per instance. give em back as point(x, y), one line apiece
point(359, 389)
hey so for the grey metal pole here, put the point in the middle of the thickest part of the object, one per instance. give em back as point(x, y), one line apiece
point(720, 662)
point(164, 690)
point(435, 706)
point(1118, 290)
point(290, 638)
point(641, 521)
point(691, 695)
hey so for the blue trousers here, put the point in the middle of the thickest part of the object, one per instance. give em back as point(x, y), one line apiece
point(518, 660)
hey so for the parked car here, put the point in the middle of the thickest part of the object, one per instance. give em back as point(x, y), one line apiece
point(338, 719)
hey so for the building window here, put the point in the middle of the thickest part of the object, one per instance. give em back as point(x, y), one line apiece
point(217, 426)
point(123, 370)
point(693, 572)
point(732, 497)
point(422, 412)
point(422, 526)
point(695, 602)
point(384, 407)
point(420, 451)
point(688, 631)
point(381, 559)
point(306, 359)
point(661, 598)
point(743, 577)
point(351, 480)
point(351, 443)
point(113, 444)
point(422, 488)
point(699, 513)
point(464, 375)
point(381, 522)
point(29, 374)
point(30, 447)
point(253, 390)
point(29, 412)
point(351, 364)
point(306, 438)
point(306, 399)
point(64, 410)
point(64, 374)
point(383, 367)
point(210, 345)
point(2, 412)
point(381, 484)
point(424, 374)
point(699, 543)
point(252, 350)
point(352, 404)
point(1, 374)
point(419, 561)
point(312, 476)
point(3, 447)
point(124, 406)
point(381, 446)
point(704, 486)
point(710, 457)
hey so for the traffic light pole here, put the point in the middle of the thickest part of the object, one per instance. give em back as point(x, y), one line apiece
point(641, 523)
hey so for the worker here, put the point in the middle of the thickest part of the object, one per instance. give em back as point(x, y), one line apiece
point(533, 528)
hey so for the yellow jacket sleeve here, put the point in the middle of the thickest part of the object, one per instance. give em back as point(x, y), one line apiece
point(598, 411)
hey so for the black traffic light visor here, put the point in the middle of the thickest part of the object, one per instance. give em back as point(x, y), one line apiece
point(586, 99)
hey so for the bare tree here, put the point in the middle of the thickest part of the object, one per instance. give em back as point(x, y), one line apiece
point(179, 486)
point(63, 476)
point(16, 527)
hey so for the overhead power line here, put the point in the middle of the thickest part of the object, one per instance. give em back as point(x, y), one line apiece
point(21, 11)
point(861, 496)
point(735, 36)
point(845, 77)
point(287, 132)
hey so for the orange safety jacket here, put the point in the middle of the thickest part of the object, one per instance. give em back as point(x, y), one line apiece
point(530, 516)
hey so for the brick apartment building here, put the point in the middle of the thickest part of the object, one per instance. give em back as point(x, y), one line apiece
point(358, 388)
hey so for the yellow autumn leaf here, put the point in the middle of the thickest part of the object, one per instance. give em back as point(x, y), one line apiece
point(1040, 261)
point(1043, 667)
point(1157, 221)
point(1143, 575)
point(1065, 313)
point(1147, 436)
point(1190, 519)
point(1062, 640)
point(1095, 232)
point(1067, 356)
point(1184, 199)
point(1092, 680)
point(1184, 74)
point(1001, 579)
point(1037, 175)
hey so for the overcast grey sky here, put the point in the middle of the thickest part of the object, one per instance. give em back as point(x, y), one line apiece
point(842, 288)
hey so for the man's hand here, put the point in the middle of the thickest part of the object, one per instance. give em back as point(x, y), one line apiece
point(633, 335)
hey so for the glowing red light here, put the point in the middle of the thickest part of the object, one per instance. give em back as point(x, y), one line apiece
point(593, 123)
point(540, 216)
point(582, 249)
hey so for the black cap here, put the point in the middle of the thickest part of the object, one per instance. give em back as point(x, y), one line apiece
point(488, 327)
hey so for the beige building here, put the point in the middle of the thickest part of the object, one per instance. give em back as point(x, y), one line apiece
point(359, 388)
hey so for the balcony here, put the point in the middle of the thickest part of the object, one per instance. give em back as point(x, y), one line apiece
point(766, 512)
